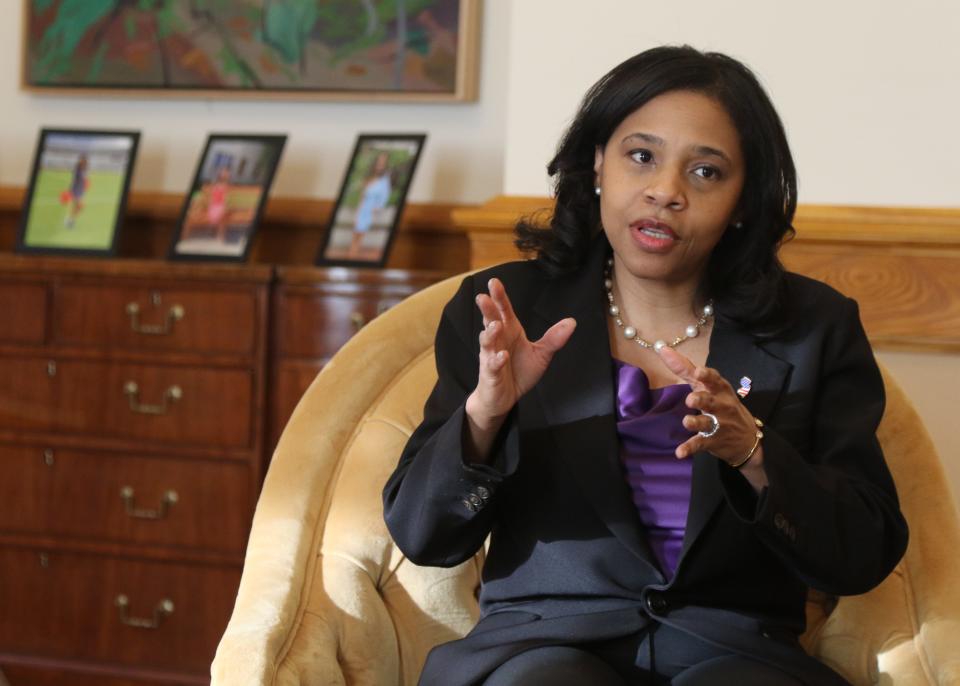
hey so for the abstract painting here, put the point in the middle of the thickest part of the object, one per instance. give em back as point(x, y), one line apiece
point(395, 49)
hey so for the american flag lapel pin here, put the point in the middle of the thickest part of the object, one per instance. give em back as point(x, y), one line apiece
point(745, 384)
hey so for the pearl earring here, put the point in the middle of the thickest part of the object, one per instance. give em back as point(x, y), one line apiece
point(738, 225)
point(596, 190)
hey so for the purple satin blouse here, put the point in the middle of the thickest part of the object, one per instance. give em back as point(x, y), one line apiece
point(649, 422)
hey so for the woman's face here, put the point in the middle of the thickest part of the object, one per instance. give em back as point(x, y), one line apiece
point(670, 177)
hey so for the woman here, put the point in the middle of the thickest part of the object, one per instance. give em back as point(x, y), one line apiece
point(374, 196)
point(217, 211)
point(667, 437)
point(78, 188)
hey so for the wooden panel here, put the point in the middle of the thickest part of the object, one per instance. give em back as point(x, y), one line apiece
point(291, 380)
point(19, 672)
point(64, 605)
point(78, 494)
point(214, 408)
point(308, 325)
point(24, 310)
point(908, 298)
point(211, 322)
point(28, 393)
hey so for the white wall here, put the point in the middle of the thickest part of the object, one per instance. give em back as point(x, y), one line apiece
point(869, 90)
point(462, 162)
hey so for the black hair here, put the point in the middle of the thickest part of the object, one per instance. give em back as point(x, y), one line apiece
point(744, 275)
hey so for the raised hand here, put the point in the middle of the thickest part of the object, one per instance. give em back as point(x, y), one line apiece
point(510, 364)
point(711, 393)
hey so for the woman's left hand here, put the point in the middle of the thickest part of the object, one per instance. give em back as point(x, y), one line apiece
point(712, 393)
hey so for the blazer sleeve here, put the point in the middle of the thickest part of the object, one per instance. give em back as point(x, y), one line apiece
point(438, 507)
point(834, 516)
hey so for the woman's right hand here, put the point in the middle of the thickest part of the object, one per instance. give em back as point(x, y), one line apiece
point(510, 365)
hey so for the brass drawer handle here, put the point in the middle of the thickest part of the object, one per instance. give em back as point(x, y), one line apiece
point(163, 608)
point(174, 314)
point(132, 391)
point(169, 498)
point(358, 320)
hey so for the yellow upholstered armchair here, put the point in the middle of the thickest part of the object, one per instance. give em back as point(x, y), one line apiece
point(326, 598)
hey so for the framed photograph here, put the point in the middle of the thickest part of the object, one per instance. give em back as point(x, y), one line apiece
point(424, 50)
point(222, 209)
point(77, 191)
point(364, 220)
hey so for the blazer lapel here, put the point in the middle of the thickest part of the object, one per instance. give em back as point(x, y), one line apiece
point(576, 397)
point(735, 355)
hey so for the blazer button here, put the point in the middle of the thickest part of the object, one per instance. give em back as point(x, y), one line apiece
point(475, 500)
point(470, 506)
point(483, 492)
point(657, 604)
point(780, 521)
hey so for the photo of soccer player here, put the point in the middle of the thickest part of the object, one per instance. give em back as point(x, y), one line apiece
point(77, 191)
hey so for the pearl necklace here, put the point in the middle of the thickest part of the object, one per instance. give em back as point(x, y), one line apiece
point(630, 333)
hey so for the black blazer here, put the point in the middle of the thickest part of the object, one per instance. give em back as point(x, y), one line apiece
point(568, 560)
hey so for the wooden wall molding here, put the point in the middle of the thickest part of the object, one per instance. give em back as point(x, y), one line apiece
point(901, 264)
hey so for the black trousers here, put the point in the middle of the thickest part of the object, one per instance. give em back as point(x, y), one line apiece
point(659, 656)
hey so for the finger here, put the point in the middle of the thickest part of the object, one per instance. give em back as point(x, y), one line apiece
point(492, 371)
point(702, 400)
point(489, 337)
point(678, 364)
point(697, 422)
point(497, 361)
point(711, 378)
point(499, 295)
point(557, 335)
point(690, 447)
point(487, 308)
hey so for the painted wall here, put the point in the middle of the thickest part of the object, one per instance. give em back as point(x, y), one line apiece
point(462, 162)
point(868, 89)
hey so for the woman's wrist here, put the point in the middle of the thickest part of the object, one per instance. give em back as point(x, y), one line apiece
point(480, 430)
point(758, 436)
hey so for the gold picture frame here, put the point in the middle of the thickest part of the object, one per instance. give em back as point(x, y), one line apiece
point(399, 51)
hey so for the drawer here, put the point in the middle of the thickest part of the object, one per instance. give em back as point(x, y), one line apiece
point(24, 310)
point(121, 498)
point(181, 405)
point(317, 325)
point(87, 607)
point(163, 318)
point(291, 380)
point(34, 675)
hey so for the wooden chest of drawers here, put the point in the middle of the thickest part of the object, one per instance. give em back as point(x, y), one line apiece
point(138, 404)
point(132, 400)
point(315, 311)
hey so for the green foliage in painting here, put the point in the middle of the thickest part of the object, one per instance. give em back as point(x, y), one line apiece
point(363, 44)
point(287, 24)
point(59, 43)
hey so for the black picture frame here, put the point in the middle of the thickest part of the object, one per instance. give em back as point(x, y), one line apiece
point(220, 223)
point(343, 243)
point(71, 209)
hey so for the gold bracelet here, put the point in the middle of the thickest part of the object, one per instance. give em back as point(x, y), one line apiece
point(753, 450)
